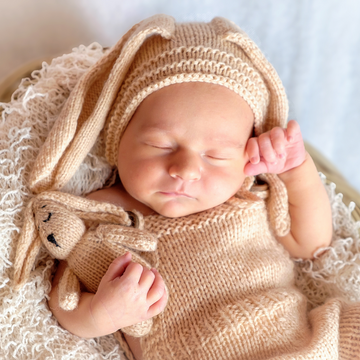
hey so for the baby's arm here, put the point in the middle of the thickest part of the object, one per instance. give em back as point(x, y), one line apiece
point(127, 294)
point(282, 152)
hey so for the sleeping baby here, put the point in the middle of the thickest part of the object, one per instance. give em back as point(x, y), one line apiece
point(193, 119)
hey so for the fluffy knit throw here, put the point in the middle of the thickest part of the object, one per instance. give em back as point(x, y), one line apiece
point(27, 327)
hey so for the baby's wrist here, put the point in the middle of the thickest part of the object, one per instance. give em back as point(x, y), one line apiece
point(298, 172)
point(100, 318)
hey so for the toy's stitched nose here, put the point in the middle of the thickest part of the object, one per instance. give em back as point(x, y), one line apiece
point(51, 239)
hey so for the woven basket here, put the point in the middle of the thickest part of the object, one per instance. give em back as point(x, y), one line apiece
point(334, 176)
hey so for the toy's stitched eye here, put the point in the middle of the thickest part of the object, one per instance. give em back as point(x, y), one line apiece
point(43, 206)
point(51, 239)
point(48, 217)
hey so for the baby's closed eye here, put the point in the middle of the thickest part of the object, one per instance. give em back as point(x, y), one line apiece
point(160, 146)
point(218, 157)
point(222, 154)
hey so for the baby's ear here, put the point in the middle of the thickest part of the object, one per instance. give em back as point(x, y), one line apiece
point(84, 113)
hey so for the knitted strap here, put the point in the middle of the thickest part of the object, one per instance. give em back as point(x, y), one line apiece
point(277, 205)
point(78, 125)
point(134, 239)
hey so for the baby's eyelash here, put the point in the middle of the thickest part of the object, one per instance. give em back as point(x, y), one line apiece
point(158, 146)
point(217, 157)
point(161, 147)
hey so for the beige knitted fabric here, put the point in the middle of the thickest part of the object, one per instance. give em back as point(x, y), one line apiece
point(155, 53)
point(232, 293)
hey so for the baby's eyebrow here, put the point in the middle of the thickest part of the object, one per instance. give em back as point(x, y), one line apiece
point(229, 143)
point(154, 129)
point(224, 142)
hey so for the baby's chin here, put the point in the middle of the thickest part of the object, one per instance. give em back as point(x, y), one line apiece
point(177, 211)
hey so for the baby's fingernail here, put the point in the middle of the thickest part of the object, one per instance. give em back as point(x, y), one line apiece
point(254, 160)
point(281, 156)
point(290, 139)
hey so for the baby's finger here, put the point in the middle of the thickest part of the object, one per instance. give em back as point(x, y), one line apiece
point(147, 279)
point(293, 128)
point(252, 150)
point(255, 169)
point(266, 149)
point(117, 267)
point(277, 137)
point(133, 272)
point(157, 289)
point(159, 306)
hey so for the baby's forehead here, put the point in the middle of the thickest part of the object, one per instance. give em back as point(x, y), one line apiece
point(189, 99)
point(197, 111)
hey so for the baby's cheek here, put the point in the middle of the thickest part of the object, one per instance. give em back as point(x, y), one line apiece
point(143, 175)
point(227, 181)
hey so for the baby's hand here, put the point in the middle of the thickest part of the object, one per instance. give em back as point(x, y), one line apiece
point(128, 294)
point(275, 151)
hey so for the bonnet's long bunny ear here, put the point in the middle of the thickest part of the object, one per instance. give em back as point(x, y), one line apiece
point(278, 107)
point(276, 115)
point(27, 248)
point(83, 116)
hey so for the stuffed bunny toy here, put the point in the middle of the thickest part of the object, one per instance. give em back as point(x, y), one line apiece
point(89, 235)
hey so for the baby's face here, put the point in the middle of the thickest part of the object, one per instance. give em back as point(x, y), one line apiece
point(184, 149)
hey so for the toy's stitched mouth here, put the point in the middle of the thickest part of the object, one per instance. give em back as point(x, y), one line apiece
point(48, 218)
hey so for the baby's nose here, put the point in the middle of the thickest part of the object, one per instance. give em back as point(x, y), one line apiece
point(186, 166)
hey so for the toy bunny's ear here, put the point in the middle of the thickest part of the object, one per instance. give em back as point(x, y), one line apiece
point(278, 108)
point(87, 209)
point(27, 248)
point(84, 114)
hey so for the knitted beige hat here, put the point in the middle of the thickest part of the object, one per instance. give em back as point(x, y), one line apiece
point(155, 53)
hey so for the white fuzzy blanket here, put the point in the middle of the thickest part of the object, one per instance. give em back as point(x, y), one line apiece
point(27, 328)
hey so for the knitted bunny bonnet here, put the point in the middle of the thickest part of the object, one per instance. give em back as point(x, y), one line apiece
point(155, 53)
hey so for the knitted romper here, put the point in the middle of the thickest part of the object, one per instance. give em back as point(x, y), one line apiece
point(232, 294)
